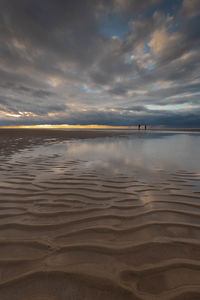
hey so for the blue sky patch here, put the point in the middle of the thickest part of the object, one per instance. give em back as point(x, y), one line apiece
point(113, 25)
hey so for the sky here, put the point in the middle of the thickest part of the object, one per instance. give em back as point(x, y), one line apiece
point(104, 62)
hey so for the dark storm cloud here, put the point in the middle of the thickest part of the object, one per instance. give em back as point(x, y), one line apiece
point(28, 90)
point(115, 118)
point(190, 8)
point(99, 61)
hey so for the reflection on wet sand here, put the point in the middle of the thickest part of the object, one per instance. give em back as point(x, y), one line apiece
point(105, 218)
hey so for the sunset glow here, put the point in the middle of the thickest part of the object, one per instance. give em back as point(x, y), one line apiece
point(66, 126)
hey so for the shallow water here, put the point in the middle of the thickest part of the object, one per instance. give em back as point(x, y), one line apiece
point(146, 151)
point(107, 218)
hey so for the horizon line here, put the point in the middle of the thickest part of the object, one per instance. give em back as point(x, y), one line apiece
point(92, 126)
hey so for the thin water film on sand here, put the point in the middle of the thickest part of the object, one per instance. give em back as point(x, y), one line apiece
point(104, 218)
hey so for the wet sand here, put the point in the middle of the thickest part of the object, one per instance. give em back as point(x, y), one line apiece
point(69, 231)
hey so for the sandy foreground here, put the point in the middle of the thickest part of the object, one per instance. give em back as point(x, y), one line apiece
point(77, 234)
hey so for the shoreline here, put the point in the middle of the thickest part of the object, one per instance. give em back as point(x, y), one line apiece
point(100, 225)
point(90, 132)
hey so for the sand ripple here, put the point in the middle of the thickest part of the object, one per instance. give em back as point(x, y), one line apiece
point(70, 232)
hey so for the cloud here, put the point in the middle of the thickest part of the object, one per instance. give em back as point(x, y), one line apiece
point(59, 64)
point(190, 8)
point(133, 117)
point(163, 43)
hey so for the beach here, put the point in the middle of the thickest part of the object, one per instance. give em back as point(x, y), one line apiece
point(99, 214)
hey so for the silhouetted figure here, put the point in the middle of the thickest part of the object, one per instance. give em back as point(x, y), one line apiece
point(139, 127)
point(145, 127)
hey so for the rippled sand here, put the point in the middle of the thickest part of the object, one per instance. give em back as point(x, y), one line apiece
point(71, 231)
